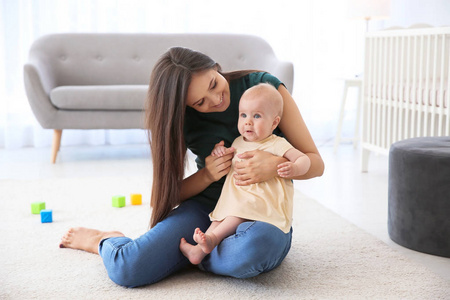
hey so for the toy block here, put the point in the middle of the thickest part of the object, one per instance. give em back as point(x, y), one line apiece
point(36, 207)
point(46, 216)
point(118, 201)
point(136, 199)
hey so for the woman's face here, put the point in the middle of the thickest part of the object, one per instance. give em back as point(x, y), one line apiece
point(208, 92)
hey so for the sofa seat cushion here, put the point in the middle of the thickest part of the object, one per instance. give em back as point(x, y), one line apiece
point(99, 97)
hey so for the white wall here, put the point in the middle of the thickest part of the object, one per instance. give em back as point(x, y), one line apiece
point(408, 12)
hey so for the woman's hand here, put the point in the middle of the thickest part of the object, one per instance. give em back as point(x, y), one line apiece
point(215, 168)
point(218, 166)
point(256, 166)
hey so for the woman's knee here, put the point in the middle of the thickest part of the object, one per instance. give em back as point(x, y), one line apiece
point(118, 268)
point(122, 275)
point(259, 236)
point(256, 247)
point(128, 271)
point(265, 246)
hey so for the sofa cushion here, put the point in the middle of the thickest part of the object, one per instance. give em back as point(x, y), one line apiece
point(104, 97)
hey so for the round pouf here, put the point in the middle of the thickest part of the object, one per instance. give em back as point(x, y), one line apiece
point(419, 194)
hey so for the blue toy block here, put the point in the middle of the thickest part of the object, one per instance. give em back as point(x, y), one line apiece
point(46, 216)
point(36, 207)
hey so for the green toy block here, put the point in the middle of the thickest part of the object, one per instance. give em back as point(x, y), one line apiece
point(118, 201)
point(46, 216)
point(36, 207)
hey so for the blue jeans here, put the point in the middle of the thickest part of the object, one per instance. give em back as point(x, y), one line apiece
point(256, 247)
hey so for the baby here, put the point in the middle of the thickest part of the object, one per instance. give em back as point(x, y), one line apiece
point(271, 201)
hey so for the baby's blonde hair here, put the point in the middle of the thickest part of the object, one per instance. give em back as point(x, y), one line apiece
point(270, 94)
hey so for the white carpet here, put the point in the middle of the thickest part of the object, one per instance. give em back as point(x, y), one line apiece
point(330, 258)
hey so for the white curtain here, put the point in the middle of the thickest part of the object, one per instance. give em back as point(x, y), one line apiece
point(314, 34)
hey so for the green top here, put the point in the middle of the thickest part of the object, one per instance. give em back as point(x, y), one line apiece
point(203, 130)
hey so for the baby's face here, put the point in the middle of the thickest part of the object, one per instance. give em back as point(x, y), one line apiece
point(256, 119)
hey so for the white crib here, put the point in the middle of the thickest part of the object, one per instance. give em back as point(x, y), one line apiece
point(406, 87)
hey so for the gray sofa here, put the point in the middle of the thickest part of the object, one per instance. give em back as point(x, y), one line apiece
point(100, 81)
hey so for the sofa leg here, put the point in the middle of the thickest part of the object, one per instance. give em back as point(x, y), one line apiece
point(365, 160)
point(57, 133)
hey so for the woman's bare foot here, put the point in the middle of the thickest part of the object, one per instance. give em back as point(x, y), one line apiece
point(206, 241)
point(195, 253)
point(86, 239)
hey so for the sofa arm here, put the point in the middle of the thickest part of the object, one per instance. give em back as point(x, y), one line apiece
point(39, 100)
point(284, 70)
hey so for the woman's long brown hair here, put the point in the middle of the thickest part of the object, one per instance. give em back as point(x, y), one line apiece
point(165, 108)
point(166, 104)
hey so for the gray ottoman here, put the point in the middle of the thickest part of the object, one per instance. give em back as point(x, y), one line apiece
point(419, 194)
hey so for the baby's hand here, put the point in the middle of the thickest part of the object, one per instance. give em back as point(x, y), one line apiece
point(219, 149)
point(287, 169)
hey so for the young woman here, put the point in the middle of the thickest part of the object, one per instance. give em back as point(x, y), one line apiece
point(193, 105)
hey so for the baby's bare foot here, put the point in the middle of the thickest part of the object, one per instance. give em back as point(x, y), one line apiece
point(86, 239)
point(206, 241)
point(193, 253)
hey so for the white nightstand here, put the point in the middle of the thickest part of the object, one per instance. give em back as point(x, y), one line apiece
point(348, 83)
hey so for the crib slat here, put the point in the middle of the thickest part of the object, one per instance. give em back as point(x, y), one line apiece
point(383, 107)
point(433, 89)
point(419, 93)
point(368, 91)
point(447, 94)
point(389, 99)
point(376, 92)
point(427, 85)
point(413, 95)
point(395, 88)
point(376, 80)
point(407, 87)
point(402, 90)
point(373, 96)
point(441, 88)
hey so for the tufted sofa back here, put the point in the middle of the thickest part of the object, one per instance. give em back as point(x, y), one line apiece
point(127, 59)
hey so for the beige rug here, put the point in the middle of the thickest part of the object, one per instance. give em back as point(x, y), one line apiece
point(330, 258)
